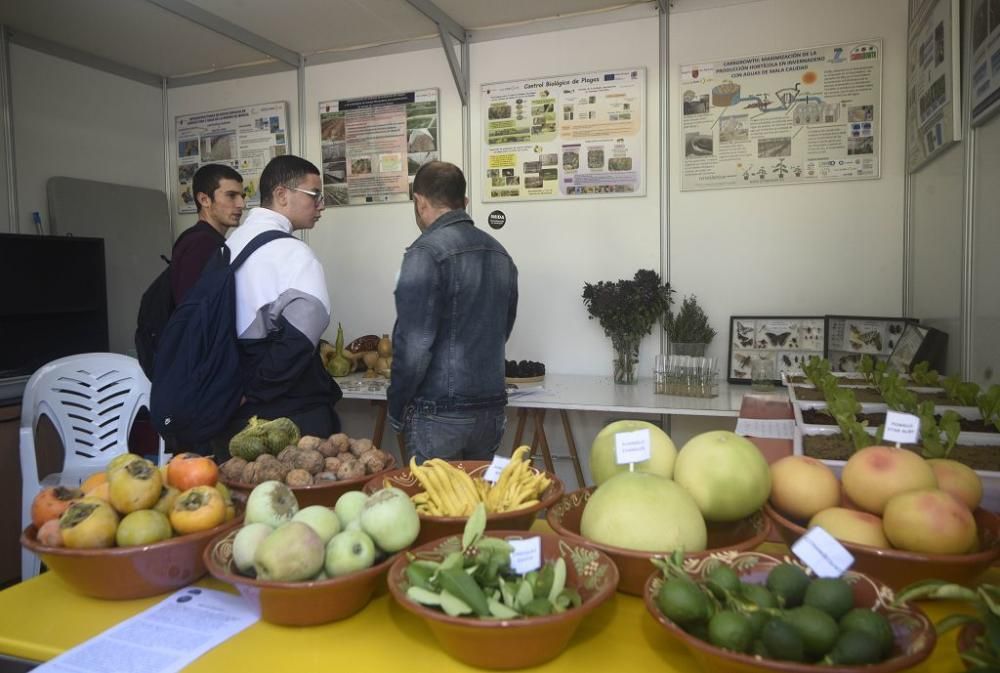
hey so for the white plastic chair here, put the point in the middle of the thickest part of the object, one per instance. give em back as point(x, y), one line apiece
point(92, 400)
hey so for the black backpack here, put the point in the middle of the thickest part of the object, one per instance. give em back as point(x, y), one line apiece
point(197, 380)
point(155, 307)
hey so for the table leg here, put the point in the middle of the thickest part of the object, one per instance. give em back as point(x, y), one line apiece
point(379, 422)
point(541, 440)
point(522, 415)
point(571, 444)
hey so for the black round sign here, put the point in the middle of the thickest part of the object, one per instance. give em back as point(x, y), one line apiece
point(497, 219)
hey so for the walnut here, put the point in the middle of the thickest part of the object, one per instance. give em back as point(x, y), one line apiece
point(298, 478)
point(324, 477)
point(350, 469)
point(271, 471)
point(250, 473)
point(331, 464)
point(374, 461)
point(327, 448)
point(266, 459)
point(341, 442)
point(232, 469)
point(286, 454)
point(309, 460)
point(310, 442)
point(360, 447)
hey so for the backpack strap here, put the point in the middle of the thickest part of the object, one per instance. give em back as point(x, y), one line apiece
point(256, 242)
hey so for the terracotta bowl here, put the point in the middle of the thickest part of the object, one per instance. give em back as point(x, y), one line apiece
point(325, 494)
point(123, 573)
point(297, 603)
point(912, 630)
point(515, 643)
point(634, 566)
point(434, 527)
point(899, 568)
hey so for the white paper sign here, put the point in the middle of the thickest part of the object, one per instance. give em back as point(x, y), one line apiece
point(632, 447)
point(163, 639)
point(492, 473)
point(527, 555)
point(901, 428)
point(822, 553)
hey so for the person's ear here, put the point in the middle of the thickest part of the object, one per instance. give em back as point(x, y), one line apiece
point(203, 199)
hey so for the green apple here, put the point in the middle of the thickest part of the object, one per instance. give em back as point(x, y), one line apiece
point(349, 505)
point(349, 552)
point(321, 519)
point(245, 545)
point(390, 518)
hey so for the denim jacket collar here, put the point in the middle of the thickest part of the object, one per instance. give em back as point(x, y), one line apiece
point(449, 218)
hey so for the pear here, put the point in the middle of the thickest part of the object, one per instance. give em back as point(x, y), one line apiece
point(292, 553)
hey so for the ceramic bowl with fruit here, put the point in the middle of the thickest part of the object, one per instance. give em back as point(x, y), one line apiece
point(318, 470)
point(133, 530)
point(483, 613)
point(523, 371)
point(315, 564)
point(748, 611)
point(445, 493)
point(634, 566)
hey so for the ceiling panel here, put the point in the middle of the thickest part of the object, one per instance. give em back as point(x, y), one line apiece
point(314, 26)
point(478, 14)
point(130, 32)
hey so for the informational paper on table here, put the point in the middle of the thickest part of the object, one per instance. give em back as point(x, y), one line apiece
point(934, 109)
point(985, 95)
point(793, 117)
point(245, 138)
point(162, 639)
point(565, 137)
point(373, 146)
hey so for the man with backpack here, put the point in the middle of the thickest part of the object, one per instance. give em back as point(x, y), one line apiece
point(282, 307)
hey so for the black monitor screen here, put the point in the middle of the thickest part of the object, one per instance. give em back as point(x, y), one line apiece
point(53, 300)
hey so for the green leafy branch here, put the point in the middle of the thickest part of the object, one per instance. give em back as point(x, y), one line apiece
point(931, 430)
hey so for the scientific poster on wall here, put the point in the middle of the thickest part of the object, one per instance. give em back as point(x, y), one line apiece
point(373, 146)
point(985, 59)
point(802, 116)
point(933, 100)
point(565, 137)
point(245, 138)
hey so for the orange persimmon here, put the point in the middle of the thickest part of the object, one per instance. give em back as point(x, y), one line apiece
point(187, 470)
point(51, 502)
point(93, 481)
point(199, 508)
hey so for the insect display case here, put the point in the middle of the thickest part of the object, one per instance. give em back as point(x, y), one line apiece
point(782, 343)
point(850, 337)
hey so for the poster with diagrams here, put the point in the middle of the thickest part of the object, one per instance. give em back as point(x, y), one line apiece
point(565, 137)
point(373, 146)
point(245, 138)
point(933, 97)
point(985, 59)
point(850, 338)
point(803, 116)
point(784, 344)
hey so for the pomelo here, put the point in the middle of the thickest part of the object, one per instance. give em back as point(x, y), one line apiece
point(643, 512)
point(725, 474)
point(602, 452)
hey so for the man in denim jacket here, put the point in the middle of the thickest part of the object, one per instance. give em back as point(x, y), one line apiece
point(456, 300)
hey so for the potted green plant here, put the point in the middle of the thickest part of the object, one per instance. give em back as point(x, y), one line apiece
point(627, 310)
point(688, 331)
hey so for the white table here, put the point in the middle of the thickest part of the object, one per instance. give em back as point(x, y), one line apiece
point(570, 392)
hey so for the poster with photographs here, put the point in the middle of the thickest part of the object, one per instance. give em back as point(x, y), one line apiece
point(849, 337)
point(373, 146)
point(565, 137)
point(784, 344)
point(985, 94)
point(933, 95)
point(245, 138)
point(793, 117)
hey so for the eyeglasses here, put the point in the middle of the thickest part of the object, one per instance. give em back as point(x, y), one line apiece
point(317, 196)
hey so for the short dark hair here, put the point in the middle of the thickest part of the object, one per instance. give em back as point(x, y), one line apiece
point(285, 171)
point(441, 183)
point(207, 178)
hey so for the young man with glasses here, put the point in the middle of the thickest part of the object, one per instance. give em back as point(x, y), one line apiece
point(282, 307)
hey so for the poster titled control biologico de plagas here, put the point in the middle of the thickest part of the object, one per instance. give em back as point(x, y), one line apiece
point(806, 115)
point(565, 137)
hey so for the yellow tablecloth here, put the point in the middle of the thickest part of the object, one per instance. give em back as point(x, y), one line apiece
point(43, 617)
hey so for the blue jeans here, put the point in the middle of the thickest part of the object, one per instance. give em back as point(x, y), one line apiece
point(469, 434)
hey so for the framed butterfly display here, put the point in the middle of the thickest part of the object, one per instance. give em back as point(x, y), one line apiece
point(848, 338)
point(782, 344)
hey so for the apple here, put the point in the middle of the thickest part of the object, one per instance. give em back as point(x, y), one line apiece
point(245, 545)
point(390, 519)
point(321, 519)
point(271, 502)
point(349, 552)
point(349, 505)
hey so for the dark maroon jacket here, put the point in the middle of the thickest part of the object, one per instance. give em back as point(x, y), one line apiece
point(191, 252)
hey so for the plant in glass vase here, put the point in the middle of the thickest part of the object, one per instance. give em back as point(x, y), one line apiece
point(688, 331)
point(627, 310)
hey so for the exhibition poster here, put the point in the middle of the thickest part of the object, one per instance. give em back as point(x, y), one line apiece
point(985, 59)
point(933, 98)
point(245, 138)
point(792, 117)
point(373, 146)
point(565, 137)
